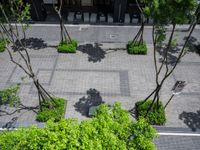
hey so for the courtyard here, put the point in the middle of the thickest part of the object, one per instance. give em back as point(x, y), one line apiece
point(100, 73)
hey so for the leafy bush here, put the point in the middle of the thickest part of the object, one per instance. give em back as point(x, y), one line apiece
point(156, 115)
point(136, 48)
point(2, 45)
point(10, 96)
point(67, 46)
point(55, 113)
point(110, 128)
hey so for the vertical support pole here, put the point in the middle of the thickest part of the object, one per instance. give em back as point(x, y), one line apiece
point(169, 101)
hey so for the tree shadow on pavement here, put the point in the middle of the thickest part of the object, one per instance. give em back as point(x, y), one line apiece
point(30, 43)
point(191, 119)
point(192, 45)
point(172, 54)
point(11, 123)
point(174, 51)
point(93, 99)
point(15, 113)
point(95, 53)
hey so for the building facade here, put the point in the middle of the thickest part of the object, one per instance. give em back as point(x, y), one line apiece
point(89, 11)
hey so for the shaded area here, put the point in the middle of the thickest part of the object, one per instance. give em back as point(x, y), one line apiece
point(9, 110)
point(15, 113)
point(93, 99)
point(30, 43)
point(172, 54)
point(95, 53)
point(11, 123)
point(174, 51)
point(191, 119)
point(193, 45)
point(133, 112)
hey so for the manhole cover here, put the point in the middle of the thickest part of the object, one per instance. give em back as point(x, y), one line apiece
point(83, 28)
point(114, 36)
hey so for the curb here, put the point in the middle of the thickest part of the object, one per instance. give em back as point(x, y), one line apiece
point(43, 24)
point(176, 130)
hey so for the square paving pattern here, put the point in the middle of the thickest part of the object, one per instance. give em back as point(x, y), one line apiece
point(115, 75)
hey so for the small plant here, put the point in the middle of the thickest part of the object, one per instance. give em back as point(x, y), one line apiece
point(2, 45)
point(67, 46)
point(156, 115)
point(55, 113)
point(136, 48)
point(10, 96)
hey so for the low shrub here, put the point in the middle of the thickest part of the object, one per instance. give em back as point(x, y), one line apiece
point(2, 45)
point(55, 113)
point(156, 115)
point(9, 96)
point(136, 48)
point(111, 128)
point(67, 46)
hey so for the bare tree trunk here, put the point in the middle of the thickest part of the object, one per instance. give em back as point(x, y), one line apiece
point(139, 36)
point(63, 31)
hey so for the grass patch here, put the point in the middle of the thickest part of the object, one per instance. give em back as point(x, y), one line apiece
point(2, 45)
point(156, 115)
point(136, 48)
point(67, 46)
point(56, 113)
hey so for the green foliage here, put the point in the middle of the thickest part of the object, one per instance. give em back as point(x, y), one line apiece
point(16, 10)
point(56, 112)
point(160, 32)
point(67, 46)
point(10, 96)
point(156, 115)
point(136, 48)
point(110, 128)
point(170, 11)
point(2, 45)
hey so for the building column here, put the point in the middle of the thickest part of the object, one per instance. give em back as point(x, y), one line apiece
point(38, 12)
point(119, 10)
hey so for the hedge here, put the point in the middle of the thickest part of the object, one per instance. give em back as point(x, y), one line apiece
point(67, 46)
point(56, 113)
point(110, 128)
point(136, 48)
point(156, 115)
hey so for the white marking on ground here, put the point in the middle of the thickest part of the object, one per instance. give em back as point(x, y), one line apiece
point(179, 134)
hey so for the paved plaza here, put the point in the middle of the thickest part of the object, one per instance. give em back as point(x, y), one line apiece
point(95, 75)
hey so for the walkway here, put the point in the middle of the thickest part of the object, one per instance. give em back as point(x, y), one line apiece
point(95, 75)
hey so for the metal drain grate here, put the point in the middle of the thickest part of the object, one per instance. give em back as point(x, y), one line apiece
point(114, 36)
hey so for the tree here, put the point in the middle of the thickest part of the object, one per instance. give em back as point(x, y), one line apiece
point(64, 34)
point(168, 12)
point(13, 25)
point(139, 39)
